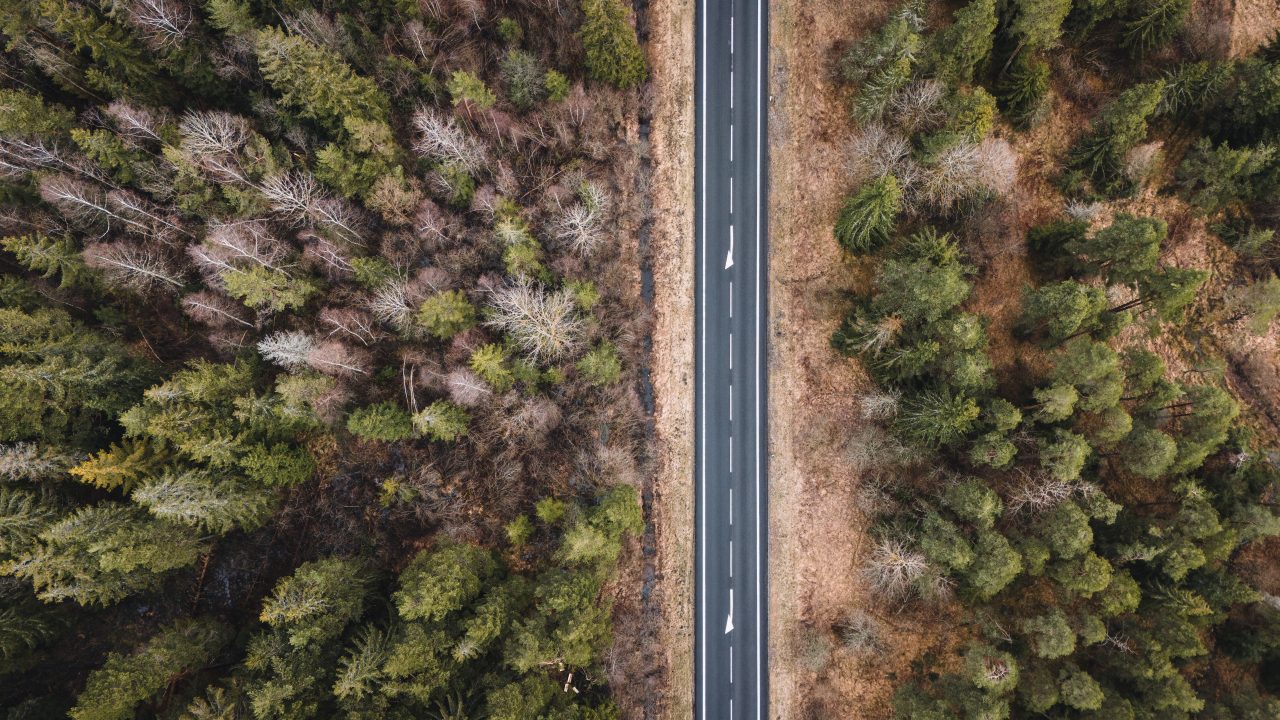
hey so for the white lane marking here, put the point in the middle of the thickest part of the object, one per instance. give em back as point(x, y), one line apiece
point(730, 141)
point(702, 479)
point(730, 194)
point(730, 454)
point(730, 401)
point(730, 577)
point(730, 347)
point(728, 624)
point(730, 708)
point(730, 664)
point(728, 259)
point(730, 87)
point(761, 79)
point(731, 315)
point(730, 507)
point(730, 34)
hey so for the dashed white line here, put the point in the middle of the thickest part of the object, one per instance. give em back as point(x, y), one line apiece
point(730, 454)
point(730, 664)
point(730, 507)
point(730, 401)
point(731, 567)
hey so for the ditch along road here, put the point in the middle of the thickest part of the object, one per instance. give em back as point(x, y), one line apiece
point(731, 438)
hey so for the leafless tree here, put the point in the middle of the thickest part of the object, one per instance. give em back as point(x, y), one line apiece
point(350, 323)
point(580, 226)
point(334, 357)
point(1083, 210)
point(292, 194)
point(134, 267)
point(545, 325)
point(139, 213)
point(877, 152)
point(861, 633)
point(244, 243)
point(1038, 493)
point(440, 138)
point(289, 349)
point(893, 569)
point(211, 308)
point(434, 224)
point(391, 305)
point(466, 388)
point(212, 140)
point(997, 166)
point(138, 123)
point(918, 106)
point(879, 404)
point(333, 260)
point(163, 23)
point(1142, 161)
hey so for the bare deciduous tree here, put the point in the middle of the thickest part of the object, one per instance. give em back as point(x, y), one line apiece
point(581, 226)
point(211, 308)
point(138, 123)
point(211, 140)
point(893, 569)
point(351, 323)
point(133, 267)
point(163, 23)
point(466, 388)
point(545, 325)
point(289, 349)
point(918, 106)
point(440, 138)
point(333, 357)
point(879, 151)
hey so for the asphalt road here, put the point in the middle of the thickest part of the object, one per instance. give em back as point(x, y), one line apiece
point(731, 444)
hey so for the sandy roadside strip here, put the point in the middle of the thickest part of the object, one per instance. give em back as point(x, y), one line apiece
point(671, 55)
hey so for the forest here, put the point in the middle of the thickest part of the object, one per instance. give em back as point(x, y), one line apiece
point(1077, 484)
point(319, 345)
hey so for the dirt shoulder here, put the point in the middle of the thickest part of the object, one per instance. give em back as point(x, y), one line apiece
point(671, 53)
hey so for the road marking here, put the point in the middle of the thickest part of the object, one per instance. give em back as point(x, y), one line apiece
point(730, 454)
point(731, 195)
point(728, 624)
point(730, 401)
point(730, 34)
point(761, 79)
point(731, 311)
point(731, 577)
point(731, 91)
point(730, 145)
point(702, 479)
point(730, 507)
point(730, 664)
point(730, 347)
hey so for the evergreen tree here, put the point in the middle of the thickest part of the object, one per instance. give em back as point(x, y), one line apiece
point(1125, 251)
point(114, 691)
point(1152, 24)
point(1121, 125)
point(446, 314)
point(613, 54)
point(383, 421)
point(442, 420)
point(314, 81)
point(867, 218)
point(962, 47)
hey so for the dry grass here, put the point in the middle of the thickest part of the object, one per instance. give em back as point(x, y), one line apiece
point(671, 150)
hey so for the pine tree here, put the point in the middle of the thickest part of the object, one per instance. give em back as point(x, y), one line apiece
point(962, 47)
point(442, 420)
point(383, 421)
point(1148, 452)
point(440, 582)
point(1061, 310)
point(1049, 635)
point(115, 690)
point(937, 418)
point(867, 218)
point(1153, 23)
point(314, 81)
point(466, 87)
point(446, 314)
point(1121, 125)
point(102, 553)
point(489, 361)
point(613, 54)
point(1125, 251)
point(995, 564)
point(318, 601)
point(1215, 178)
point(203, 500)
point(601, 365)
point(50, 257)
point(119, 467)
